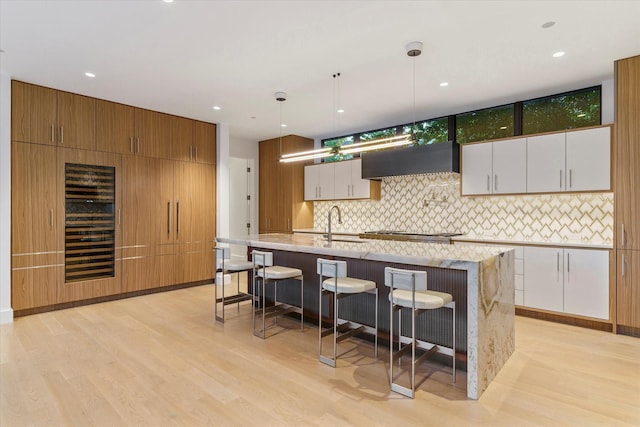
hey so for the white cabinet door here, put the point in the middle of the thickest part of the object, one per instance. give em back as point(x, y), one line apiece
point(360, 188)
point(546, 163)
point(311, 174)
point(510, 166)
point(326, 181)
point(477, 168)
point(586, 282)
point(589, 160)
point(342, 180)
point(543, 278)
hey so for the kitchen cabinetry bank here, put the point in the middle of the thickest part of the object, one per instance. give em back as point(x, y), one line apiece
point(487, 285)
point(338, 181)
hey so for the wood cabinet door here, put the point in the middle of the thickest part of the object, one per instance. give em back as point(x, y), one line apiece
point(204, 142)
point(34, 201)
point(543, 278)
point(628, 288)
point(181, 142)
point(546, 163)
point(268, 189)
point(586, 282)
point(21, 112)
point(76, 121)
point(589, 160)
point(153, 133)
point(510, 166)
point(477, 168)
point(627, 143)
point(43, 127)
point(115, 127)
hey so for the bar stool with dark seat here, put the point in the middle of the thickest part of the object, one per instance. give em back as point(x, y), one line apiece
point(265, 272)
point(409, 290)
point(340, 286)
point(224, 266)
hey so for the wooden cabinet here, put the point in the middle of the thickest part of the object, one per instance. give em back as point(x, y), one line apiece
point(497, 167)
point(573, 281)
point(48, 116)
point(115, 127)
point(35, 246)
point(338, 181)
point(281, 187)
point(569, 161)
point(204, 143)
point(154, 133)
point(626, 196)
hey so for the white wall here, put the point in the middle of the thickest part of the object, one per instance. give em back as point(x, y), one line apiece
point(608, 101)
point(6, 313)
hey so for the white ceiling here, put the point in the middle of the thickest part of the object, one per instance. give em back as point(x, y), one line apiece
point(186, 56)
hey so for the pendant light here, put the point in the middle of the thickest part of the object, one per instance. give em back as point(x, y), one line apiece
point(280, 97)
point(414, 49)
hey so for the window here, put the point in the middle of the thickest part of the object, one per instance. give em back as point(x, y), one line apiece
point(564, 111)
point(339, 142)
point(490, 123)
point(377, 134)
point(429, 131)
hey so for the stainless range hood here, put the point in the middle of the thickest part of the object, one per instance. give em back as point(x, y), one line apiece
point(422, 159)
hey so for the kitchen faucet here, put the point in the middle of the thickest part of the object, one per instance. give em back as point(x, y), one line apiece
point(329, 221)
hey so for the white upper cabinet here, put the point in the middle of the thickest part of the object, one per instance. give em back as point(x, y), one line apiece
point(509, 166)
point(546, 163)
point(337, 181)
point(494, 167)
point(588, 160)
point(477, 168)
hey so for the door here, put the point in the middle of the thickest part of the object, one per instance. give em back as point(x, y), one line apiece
point(477, 168)
point(342, 180)
point(546, 163)
point(543, 278)
point(311, 182)
point(510, 166)
point(115, 127)
point(204, 142)
point(360, 188)
point(153, 134)
point(76, 121)
point(268, 190)
point(586, 282)
point(589, 160)
point(43, 127)
point(181, 142)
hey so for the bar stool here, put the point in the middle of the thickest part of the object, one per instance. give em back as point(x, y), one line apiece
point(409, 290)
point(265, 271)
point(224, 265)
point(341, 286)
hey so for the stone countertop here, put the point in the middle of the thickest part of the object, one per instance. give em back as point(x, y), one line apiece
point(414, 253)
point(498, 241)
point(320, 232)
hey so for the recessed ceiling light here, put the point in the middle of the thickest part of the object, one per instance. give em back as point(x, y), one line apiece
point(548, 24)
point(168, 1)
point(443, 84)
point(283, 125)
point(558, 54)
point(90, 75)
point(340, 110)
point(215, 107)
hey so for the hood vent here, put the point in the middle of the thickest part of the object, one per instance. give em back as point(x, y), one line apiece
point(422, 159)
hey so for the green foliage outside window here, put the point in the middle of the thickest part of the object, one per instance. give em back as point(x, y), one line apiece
point(567, 111)
point(429, 131)
point(339, 142)
point(490, 123)
point(377, 134)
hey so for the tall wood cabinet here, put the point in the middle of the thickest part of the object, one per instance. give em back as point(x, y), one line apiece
point(627, 199)
point(134, 211)
point(281, 194)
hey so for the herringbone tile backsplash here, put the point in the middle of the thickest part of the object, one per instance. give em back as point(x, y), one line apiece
point(432, 203)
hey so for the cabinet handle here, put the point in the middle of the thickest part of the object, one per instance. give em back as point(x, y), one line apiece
point(568, 268)
point(51, 217)
point(570, 178)
point(131, 144)
point(196, 153)
point(561, 179)
point(191, 152)
point(61, 135)
point(118, 216)
point(558, 266)
point(169, 217)
point(495, 182)
point(137, 144)
point(319, 191)
point(622, 265)
point(178, 218)
point(288, 224)
point(622, 235)
point(488, 183)
point(53, 134)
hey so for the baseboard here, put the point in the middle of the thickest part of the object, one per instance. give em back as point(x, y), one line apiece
point(628, 330)
point(600, 325)
point(6, 316)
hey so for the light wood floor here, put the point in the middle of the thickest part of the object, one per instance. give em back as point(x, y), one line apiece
point(162, 360)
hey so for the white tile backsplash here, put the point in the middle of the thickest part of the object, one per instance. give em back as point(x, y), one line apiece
point(432, 203)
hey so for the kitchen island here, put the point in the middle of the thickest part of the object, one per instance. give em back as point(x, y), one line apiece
point(481, 279)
